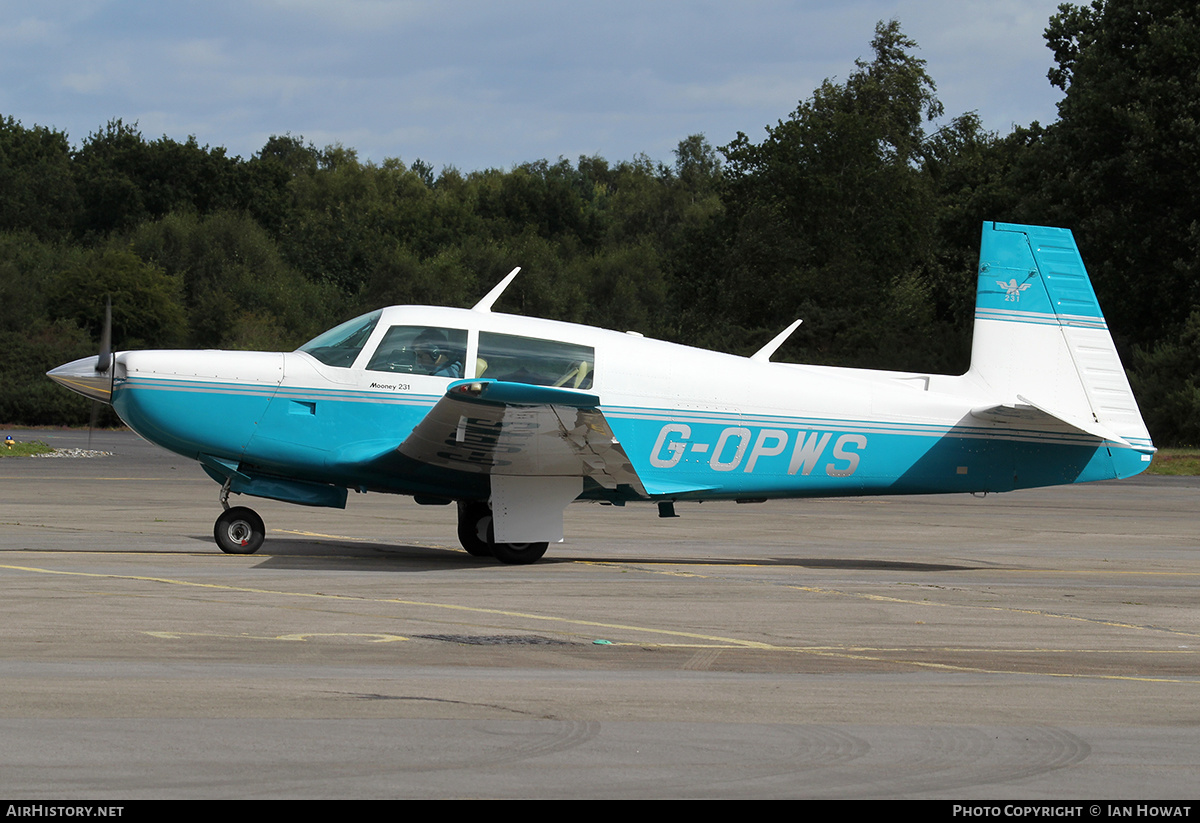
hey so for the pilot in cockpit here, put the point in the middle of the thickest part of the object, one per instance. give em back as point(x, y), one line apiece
point(435, 356)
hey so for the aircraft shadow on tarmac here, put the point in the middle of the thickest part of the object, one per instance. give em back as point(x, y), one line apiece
point(332, 553)
point(323, 553)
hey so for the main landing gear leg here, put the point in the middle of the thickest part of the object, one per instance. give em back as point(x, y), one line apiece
point(238, 530)
point(477, 536)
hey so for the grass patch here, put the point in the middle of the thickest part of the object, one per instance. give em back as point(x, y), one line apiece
point(20, 449)
point(1175, 462)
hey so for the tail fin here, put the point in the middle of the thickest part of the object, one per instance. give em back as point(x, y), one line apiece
point(1041, 344)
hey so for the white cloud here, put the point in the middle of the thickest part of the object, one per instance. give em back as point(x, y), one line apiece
point(478, 83)
point(354, 15)
point(86, 82)
point(26, 31)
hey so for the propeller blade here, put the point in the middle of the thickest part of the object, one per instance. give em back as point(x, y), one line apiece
point(105, 358)
point(103, 362)
point(92, 421)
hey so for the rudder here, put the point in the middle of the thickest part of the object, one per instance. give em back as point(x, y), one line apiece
point(1041, 339)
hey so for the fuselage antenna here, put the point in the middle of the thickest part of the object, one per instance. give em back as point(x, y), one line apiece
point(485, 305)
point(764, 354)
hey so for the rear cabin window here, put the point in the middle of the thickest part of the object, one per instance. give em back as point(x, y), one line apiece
point(341, 344)
point(534, 361)
point(421, 350)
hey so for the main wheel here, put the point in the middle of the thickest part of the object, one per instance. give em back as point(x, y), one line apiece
point(475, 527)
point(478, 537)
point(519, 554)
point(239, 531)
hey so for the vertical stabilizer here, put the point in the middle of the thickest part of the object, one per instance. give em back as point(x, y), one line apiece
point(1040, 337)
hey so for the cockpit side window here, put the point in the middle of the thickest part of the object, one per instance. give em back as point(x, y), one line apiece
point(340, 345)
point(421, 350)
point(535, 361)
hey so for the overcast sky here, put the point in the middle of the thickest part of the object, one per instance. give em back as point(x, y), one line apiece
point(479, 84)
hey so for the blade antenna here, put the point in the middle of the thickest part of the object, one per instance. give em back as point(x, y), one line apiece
point(764, 354)
point(485, 305)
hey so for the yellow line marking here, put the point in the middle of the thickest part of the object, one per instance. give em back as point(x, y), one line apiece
point(746, 644)
point(910, 602)
point(336, 537)
point(661, 568)
point(725, 642)
point(89, 479)
point(373, 637)
point(1005, 609)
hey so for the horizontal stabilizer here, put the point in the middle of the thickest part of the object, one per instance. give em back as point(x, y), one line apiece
point(1026, 415)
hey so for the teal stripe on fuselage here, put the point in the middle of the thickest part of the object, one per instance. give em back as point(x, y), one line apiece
point(334, 437)
point(663, 415)
point(349, 438)
point(297, 433)
point(191, 418)
point(790, 458)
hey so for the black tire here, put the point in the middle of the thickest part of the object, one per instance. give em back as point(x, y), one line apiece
point(239, 531)
point(476, 535)
point(519, 554)
point(475, 527)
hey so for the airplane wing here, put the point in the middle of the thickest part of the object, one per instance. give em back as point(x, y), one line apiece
point(508, 429)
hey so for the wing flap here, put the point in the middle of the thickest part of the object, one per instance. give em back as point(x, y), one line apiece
point(518, 430)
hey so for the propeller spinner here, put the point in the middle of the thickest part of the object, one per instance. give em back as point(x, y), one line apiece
point(91, 376)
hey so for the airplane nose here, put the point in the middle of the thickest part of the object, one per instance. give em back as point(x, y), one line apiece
point(81, 376)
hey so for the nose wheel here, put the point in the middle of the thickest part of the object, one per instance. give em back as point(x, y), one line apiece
point(239, 530)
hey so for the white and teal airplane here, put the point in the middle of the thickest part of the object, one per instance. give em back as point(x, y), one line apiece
point(512, 418)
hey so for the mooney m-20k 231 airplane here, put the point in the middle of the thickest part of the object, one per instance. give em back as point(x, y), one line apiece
point(512, 418)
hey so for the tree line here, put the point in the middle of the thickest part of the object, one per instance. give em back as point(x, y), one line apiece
point(860, 212)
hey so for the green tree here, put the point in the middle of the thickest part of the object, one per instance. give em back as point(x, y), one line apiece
point(831, 217)
point(35, 179)
point(347, 218)
point(265, 181)
point(147, 311)
point(124, 180)
point(1166, 380)
point(1119, 163)
point(541, 196)
point(30, 271)
point(697, 165)
point(106, 171)
point(236, 288)
point(975, 176)
point(29, 397)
